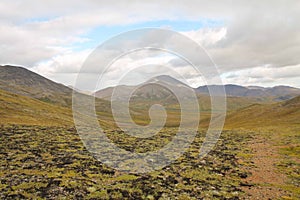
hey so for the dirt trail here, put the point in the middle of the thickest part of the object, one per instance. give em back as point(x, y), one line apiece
point(265, 175)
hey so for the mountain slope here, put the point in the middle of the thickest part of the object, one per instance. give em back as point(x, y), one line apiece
point(154, 88)
point(28, 98)
point(146, 91)
point(153, 91)
point(285, 114)
point(107, 92)
point(17, 109)
point(165, 79)
point(278, 93)
point(21, 81)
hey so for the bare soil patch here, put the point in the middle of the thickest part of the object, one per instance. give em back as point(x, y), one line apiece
point(265, 176)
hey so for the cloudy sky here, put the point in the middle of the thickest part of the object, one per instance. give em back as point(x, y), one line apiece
point(251, 42)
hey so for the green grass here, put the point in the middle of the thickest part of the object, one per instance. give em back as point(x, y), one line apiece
point(17, 109)
point(282, 115)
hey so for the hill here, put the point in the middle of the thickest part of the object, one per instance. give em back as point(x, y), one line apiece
point(29, 98)
point(284, 114)
point(18, 109)
point(19, 80)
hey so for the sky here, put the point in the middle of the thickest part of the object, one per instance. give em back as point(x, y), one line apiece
point(250, 42)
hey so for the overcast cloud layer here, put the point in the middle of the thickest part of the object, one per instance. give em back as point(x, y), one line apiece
point(258, 42)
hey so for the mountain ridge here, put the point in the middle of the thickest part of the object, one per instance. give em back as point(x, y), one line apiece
point(277, 93)
point(242, 109)
point(22, 81)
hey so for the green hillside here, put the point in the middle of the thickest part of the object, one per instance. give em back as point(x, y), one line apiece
point(283, 114)
point(17, 109)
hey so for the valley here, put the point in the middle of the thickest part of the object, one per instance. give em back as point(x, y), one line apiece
point(42, 156)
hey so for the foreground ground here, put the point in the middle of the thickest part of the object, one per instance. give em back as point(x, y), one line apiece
point(274, 165)
point(52, 163)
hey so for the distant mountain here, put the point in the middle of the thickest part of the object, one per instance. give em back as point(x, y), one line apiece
point(22, 81)
point(277, 93)
point(231, 90)
point(283, 92)
point(45, 98)
point(162, 88)
point(157, 88)
point(18, 80)
point(167, 80)
point(151, 89)
point(107, 92)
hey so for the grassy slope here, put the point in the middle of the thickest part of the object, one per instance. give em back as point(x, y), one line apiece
point(17, 109)
point(242, 112)
point(282, 114)
point(140, 108)
point(277, 125)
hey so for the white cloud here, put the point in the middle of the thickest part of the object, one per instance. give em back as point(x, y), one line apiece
point(264, 75)
point(70, 62)
point(207, 37)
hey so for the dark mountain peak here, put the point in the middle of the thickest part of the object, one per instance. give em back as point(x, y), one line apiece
point(19, 80)
point(166, 79)
point(233, 86)
point(282, 86)
point(154, 88)
point(284, 92)
point(21, 75)
point(254, 87)
point(225, 86)
point(230, 89)
point(12, 67)
point(9, 71)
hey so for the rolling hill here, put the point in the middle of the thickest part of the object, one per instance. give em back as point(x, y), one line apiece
point(18, 109)
point(283, 114)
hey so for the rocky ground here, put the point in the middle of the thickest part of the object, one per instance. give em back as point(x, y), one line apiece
point(52, 163)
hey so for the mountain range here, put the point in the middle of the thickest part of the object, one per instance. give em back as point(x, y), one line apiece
point(22, 81)
point(29, 98)
point(277, 93)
